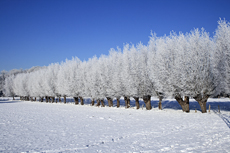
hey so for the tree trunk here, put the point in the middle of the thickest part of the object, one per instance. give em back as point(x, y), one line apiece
point(64, 99)
point(137, 102)
point(13, 98)
point(160, 103)
point(127, 102)
point(125, 98)
point(147, 100)
point(56, 100)
point(102, 103)
point(46, 99)
point(202, 100)
point(76, 100)
point(82, 100)
point(98, 102)
point(41, 99)
point(35, 99)
point(118, 102)
point(59, 99)
point(110, 101)
point(92, 102)
point(183, 103)
point(52, 99)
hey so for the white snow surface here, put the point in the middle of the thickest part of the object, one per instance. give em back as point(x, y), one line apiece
point(46, 127)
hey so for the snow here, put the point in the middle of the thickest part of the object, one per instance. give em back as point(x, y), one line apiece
point(46, 127)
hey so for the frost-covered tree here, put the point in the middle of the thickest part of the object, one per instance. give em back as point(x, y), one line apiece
point(117, 86)
point(4, 74)
point(8, 87)
point(20, 85)
point(126, 75)
point(221, 57)
point(2, 81)
point(93, 79)
point(50, 80)
point(88, 81)
point(82, 82)
point(146, 85)
point(38, 85)
point(68, 78)
point(30, 84)
point(106, 77)
point(200, 80)
point(184, 67)
point(152, 68)
point(135, 74)
point(165, 71)
point(101, 82)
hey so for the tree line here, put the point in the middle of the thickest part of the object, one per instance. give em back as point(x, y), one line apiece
point(183, 66)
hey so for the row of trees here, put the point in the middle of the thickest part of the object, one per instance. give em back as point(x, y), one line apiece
point(179, 65)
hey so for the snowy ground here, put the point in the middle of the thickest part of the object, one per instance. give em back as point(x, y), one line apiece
point(47, 127)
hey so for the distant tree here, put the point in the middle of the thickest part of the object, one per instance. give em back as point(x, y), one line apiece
point(8, 87)
point(3, 76)
point(21, 85)
point(33, 69)
point(38, 83)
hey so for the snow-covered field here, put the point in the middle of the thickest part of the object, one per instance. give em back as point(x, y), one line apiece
point(47, 127)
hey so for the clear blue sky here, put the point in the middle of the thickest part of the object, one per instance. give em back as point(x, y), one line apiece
point(40, 32)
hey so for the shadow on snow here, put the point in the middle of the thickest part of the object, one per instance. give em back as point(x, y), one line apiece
point(166, 104)
point(224, 117)
point(3, 101)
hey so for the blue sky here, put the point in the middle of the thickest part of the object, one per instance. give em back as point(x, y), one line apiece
point(41, 32)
